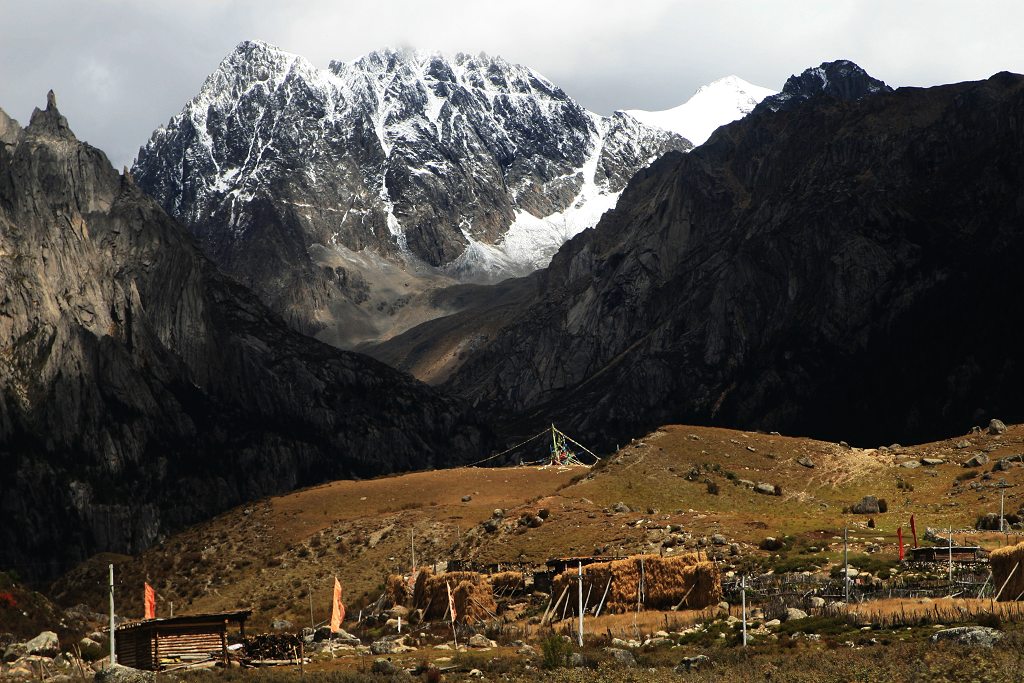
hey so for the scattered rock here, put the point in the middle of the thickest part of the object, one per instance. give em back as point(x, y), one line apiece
point(718, 539)
point(845, 445)
point(910, 464)
point(490, 525)
point(996, 426)
point(480, 640)
point(544, 513)
point(805, 461)
point(765, 489)
point(498, 513)
point(1002, 465)
point(467, 498)
point(772, 623)
point(793, 614)
point(962, 444)
point(621, 507)
point(932, 462)
point(390, 645)
point(771, 543)
point(695, 663)
point(976, 460)
point(476, 673)
point(281, 625)
point(816, 602)
point(385, 667)
point(970, 635)
point(623, 657)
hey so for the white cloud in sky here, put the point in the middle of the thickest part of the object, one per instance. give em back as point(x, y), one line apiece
point(120, 68)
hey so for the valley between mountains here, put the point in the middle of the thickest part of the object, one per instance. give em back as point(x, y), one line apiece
point(280, 346)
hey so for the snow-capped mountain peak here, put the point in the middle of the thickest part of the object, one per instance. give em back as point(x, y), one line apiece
point(715, 104)
point(465, 166)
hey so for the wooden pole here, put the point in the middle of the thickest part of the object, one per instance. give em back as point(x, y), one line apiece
point(743, 597)
point(600, 605)
point(846, 564)
point(312, 624)
point(1008, 577)
point(554, 608)
point(113, 651)
point(579, 590)
point(951, 561)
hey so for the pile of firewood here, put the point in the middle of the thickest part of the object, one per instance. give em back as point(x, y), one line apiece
point(273, 646)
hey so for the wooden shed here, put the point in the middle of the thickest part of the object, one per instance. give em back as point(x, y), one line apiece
point(155, 644)
point(941, 553)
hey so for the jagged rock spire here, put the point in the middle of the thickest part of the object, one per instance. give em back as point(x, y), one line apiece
point(50, 121)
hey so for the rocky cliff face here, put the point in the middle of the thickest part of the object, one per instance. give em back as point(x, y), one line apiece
point(468, 167)
point(141, 390)
point(846, 267)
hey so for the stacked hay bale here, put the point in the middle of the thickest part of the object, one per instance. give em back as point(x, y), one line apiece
point(472, 593)
point(1003, 561)
point(508, 583)
point(396, 591)
point(684, 580)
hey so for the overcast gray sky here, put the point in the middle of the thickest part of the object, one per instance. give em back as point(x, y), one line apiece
point(120, 68)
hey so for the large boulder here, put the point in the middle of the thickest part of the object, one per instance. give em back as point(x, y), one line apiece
point(623, 657)
point(869, 505)
point(970, 635)
point(793, 614)
point(764, 489)
point(996, 426)
point(124, 674)
point(44, 645)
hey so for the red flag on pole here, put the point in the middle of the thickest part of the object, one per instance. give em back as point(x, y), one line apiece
point(150, 601)
point(337, 609)
point(913, 529)
point(899, 536)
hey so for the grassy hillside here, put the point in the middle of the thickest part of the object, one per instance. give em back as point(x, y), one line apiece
point(273, 554)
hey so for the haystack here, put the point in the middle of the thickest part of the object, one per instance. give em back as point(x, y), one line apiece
point(397, 591)
point(683, 580)
point(472, 593)
point(1002, 561)
point(508, 583)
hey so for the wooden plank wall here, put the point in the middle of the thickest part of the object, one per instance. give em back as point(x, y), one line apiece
point(146, 648)
point(191, 643)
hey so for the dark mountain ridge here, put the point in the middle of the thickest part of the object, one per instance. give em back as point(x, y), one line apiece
point(142, 390)
point(842, 268)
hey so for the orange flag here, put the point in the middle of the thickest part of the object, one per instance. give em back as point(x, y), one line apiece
point(899, 536)
point(337, 609)
point(451, 601)
point(150, 600)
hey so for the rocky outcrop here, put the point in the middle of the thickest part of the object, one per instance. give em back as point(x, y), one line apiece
point(468, 164)
point(840, 268)
point(141, 389)
point(841, 80)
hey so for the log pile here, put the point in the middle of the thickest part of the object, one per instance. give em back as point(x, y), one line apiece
point(273, 646)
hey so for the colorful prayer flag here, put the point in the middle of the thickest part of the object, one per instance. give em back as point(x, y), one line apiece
point(150, 601)
point(337, 609)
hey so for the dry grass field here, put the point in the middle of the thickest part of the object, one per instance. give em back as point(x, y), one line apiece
point(275, 555)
